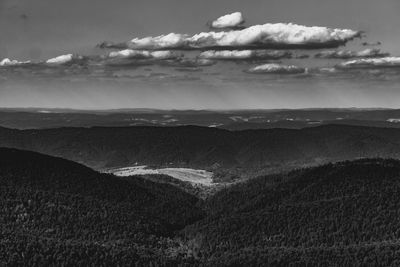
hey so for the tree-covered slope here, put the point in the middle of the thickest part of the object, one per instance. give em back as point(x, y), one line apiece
point(344, 214)
point(244, 153)
point(55, 211)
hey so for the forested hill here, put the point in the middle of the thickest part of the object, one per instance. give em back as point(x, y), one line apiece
point(344, 214)
point(57, 212)
point(249, 152)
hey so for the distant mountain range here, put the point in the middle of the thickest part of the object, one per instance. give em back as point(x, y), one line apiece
point(35, 118)
point(230, 154)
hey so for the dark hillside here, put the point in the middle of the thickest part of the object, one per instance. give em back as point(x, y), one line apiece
point(55, 211)
point(344, 214)
point(243, 153)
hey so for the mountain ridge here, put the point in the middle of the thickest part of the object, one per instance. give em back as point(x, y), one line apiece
point(228, 154)
point(227, 119)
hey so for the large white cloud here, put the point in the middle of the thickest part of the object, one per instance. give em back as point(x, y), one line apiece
point(228, 21)
point(244, 54)
point(277, 69)
point(278, 35)
point(386, 62)
point(345, 54)
point(8, 62)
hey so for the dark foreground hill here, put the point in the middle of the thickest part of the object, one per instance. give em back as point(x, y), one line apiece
point(59, 213)
point(240, 153)
point(344, 214)
point(54, 212)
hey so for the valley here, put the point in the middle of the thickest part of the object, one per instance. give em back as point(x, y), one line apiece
point(229, 155)
point(199, 133)
point(56, 211)
point(200, 196)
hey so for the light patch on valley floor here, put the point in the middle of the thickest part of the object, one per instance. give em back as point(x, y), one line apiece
point(184, 174)
point(215, 125)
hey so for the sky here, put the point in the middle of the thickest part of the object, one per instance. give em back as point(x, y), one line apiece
point(37, 30)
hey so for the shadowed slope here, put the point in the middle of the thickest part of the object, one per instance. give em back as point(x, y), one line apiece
point(56, 211)
point(337, 214)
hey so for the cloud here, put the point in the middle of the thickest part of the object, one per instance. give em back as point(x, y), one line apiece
point(8, 62)
point(60, 59)
point(345, 54)
point(65, 59)
point(233, 20)
point(302, 56)
point(279, 35)
point(191, 62)
point(112, 45)
point(189, 69)
point(244, 54)
point(325, 70)
point(170, 41)
point(127, 62)
point(129, 53)
point(142, 54)
point(371, 63)
point(117, 59)
point(277, 69)
point(371, 44)
point(164, 55)
point(132, 58)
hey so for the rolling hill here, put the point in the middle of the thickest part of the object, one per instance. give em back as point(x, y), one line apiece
point(229, 154)
point(344, 214)
point(55, 211)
